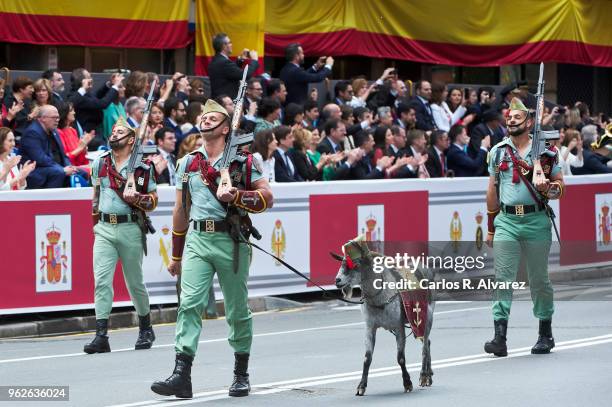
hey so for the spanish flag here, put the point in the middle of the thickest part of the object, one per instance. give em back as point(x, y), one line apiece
point(468, 32)
point(157, 24)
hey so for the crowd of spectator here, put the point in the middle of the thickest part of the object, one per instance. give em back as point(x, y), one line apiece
point(359, 129)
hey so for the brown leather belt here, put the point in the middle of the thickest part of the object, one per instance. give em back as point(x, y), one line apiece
point(114, 219)
point(210, 226)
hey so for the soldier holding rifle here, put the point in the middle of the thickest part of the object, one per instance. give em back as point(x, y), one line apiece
point(217, 186)
point(525, 175)
point(124, 190)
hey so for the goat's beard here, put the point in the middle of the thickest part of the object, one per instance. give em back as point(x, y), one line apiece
point(347, 292)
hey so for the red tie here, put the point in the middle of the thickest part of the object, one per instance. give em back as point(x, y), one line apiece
point(442, 164)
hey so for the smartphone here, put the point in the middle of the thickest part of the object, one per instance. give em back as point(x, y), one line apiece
point(466, 93)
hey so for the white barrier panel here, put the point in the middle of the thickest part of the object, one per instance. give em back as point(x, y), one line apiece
point(47, 239)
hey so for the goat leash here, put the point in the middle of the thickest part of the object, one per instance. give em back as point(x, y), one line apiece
point(293, 269)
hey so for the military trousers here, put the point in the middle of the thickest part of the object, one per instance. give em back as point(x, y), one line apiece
point(204, 255)
point(112, 243)
point(525, 237)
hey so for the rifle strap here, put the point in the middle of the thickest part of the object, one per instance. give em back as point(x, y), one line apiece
point(542, 203)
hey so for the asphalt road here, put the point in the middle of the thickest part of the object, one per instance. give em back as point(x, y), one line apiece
point(312, 357)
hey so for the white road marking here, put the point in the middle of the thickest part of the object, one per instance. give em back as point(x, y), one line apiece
point(287, 385)
point(168, 345)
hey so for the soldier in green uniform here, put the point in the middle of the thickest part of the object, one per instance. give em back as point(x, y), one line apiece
point(118, 229)
point(519, 225)
point(210, 247)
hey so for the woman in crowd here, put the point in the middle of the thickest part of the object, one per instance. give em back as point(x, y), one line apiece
point(571, 151)
point(361, 92)
point(190, 143)
point(307, 168)
point(112, 112)
point(136, 84)
point(294, 114)
point(11, 177)
point(442, 115)
point(42, 96)
point(268, 113)
point(454, 99)
point(193, 112)
point(75, 148)
point(383, 138)
point(156, 122)
point(264, 146)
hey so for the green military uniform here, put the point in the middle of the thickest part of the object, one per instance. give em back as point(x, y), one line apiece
point(518, 236)
point(205, 254)
point(117, 241)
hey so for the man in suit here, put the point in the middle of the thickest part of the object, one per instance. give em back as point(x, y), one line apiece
point(420, 103)
point(165, 163)
point(134, 108)
point(174, 116)
point(224, 74)
point(284, 167)
point(436, 154)
point(333, 143)
point(297, 78)
point(406, 116)
point(490, 126)
point(57, 83)
point(457, 157)
point(41, 143)
point(343, 92)
point(364, 168)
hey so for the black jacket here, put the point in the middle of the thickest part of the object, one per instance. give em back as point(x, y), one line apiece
point(433, 163)
point(225, 75)
point(424, 119)
point(297, 79)
point(89, 108)
point(281, 172)
point(304, 167)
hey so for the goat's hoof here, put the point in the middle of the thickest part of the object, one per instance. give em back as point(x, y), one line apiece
point(360, 391)
point(426, 380)
point(408, 387)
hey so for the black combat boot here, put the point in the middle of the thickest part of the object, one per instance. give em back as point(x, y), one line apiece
point(100, 342)
point(179, 382)
point(146, 336)
point(497, 345)
point(545, 339)
point(240, 386)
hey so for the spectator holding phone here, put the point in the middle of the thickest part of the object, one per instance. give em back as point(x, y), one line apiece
point(225, 74)
point(296, 78)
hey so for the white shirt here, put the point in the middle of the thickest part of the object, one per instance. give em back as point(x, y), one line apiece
point(267, 166)
point(13, 174)
point(572, 161)
point(171, 168)
point(444, 118)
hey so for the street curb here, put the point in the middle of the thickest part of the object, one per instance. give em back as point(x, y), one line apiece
point(126, 319)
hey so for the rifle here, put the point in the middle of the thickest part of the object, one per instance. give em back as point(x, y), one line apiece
point(540, 137)
point(235, 140)
point(138, 152)
point(539, 143)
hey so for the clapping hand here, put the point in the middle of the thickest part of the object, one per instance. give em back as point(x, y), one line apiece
point(26, 169)
point(12, 161)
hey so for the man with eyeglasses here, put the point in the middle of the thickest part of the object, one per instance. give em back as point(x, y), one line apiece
point(174, 116)
point(344, 92)
point(41, 144)
point(225, 74)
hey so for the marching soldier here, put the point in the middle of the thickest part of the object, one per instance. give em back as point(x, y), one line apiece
point(119, 231)
point(519, 225)
point(213, 245)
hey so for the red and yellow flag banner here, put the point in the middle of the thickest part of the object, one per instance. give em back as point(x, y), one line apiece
point(469, 32)
point(242, 21)
point(155, 24)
